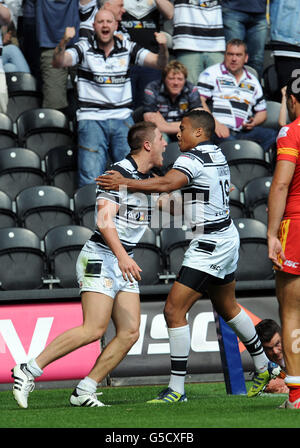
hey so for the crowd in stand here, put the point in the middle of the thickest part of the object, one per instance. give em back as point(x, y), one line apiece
point(160, 58)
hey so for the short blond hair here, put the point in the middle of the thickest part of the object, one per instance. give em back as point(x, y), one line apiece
point(176, 66)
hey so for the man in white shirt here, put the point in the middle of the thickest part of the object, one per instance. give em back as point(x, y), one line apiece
point(238, 105)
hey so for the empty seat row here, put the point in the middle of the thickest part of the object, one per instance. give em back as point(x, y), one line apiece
point(252, 201)
point(39, 208)
point(28, 262)
point(22, 167)
point(38, 129)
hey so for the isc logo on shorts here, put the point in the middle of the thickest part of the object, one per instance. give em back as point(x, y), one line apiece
point(291, 264)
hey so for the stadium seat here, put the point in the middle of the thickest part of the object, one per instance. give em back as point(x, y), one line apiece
point(84, 205)
point(270, 82)
point(43, 129)
point(237, 207)
point(246, 160)
point(254, 264)
point(252, 70)
point(22, 93)
point(8, 138)
point(171, 153)
point(19, 168)
point(273, 110)
point(8, 217)
point(174, 243)
point(256, 194)
point(148, 256)
point(62, 247)
point(22, 262)
point(61, 168)
point(40, 208)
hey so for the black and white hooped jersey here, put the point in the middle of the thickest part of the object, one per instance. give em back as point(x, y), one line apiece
point(198, 25)
point(104, 87)
point(135, 209)
point(206, 196)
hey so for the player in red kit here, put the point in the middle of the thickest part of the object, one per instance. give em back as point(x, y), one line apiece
point(283, 239)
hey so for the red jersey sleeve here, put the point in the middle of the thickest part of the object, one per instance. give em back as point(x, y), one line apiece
point(288, 142)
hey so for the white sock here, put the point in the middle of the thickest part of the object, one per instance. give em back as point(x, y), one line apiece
point(86, 385)
point(180, 343)
point(244, 328)
point(292, 380)
point(33, 368)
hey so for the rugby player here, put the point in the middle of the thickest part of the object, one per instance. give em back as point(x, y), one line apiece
point(107, 275)
point(283, 239)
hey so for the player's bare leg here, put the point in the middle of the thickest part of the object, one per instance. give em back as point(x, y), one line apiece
point(126, 318)
point(97, 310)
point(288, 294)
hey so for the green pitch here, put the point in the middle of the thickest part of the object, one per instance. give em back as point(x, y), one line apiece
point(208, 406)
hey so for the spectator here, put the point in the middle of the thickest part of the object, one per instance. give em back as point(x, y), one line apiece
point(30, 45)
point(269, 333)
point(198, 35)
point(51, 19)
point(238, 105)
point(285, 38)
point(166, 101)
point(142, 19)
point(12, 57)
point(104, 91)
point(88, 10)
point(5, 18)
point(247, 21)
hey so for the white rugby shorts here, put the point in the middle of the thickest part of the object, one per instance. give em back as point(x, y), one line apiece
point(97, 270)
point(216, 254)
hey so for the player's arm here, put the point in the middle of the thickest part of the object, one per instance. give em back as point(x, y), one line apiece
point(282, 178)
point(171, 203)
point(61, 58)
point(173, 180)
point(106, 211)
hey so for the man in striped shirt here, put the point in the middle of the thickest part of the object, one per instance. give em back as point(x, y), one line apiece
point(198, 35)
point(104, 91)
point(238, 105)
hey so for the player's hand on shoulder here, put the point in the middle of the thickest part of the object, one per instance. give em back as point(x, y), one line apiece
point(111, 180)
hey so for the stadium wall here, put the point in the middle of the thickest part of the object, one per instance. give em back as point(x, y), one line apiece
point(27, 325)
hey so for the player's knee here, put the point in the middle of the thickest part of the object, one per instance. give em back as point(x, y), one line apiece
point(129, 337)
point(94, 334)
point(170, 314)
